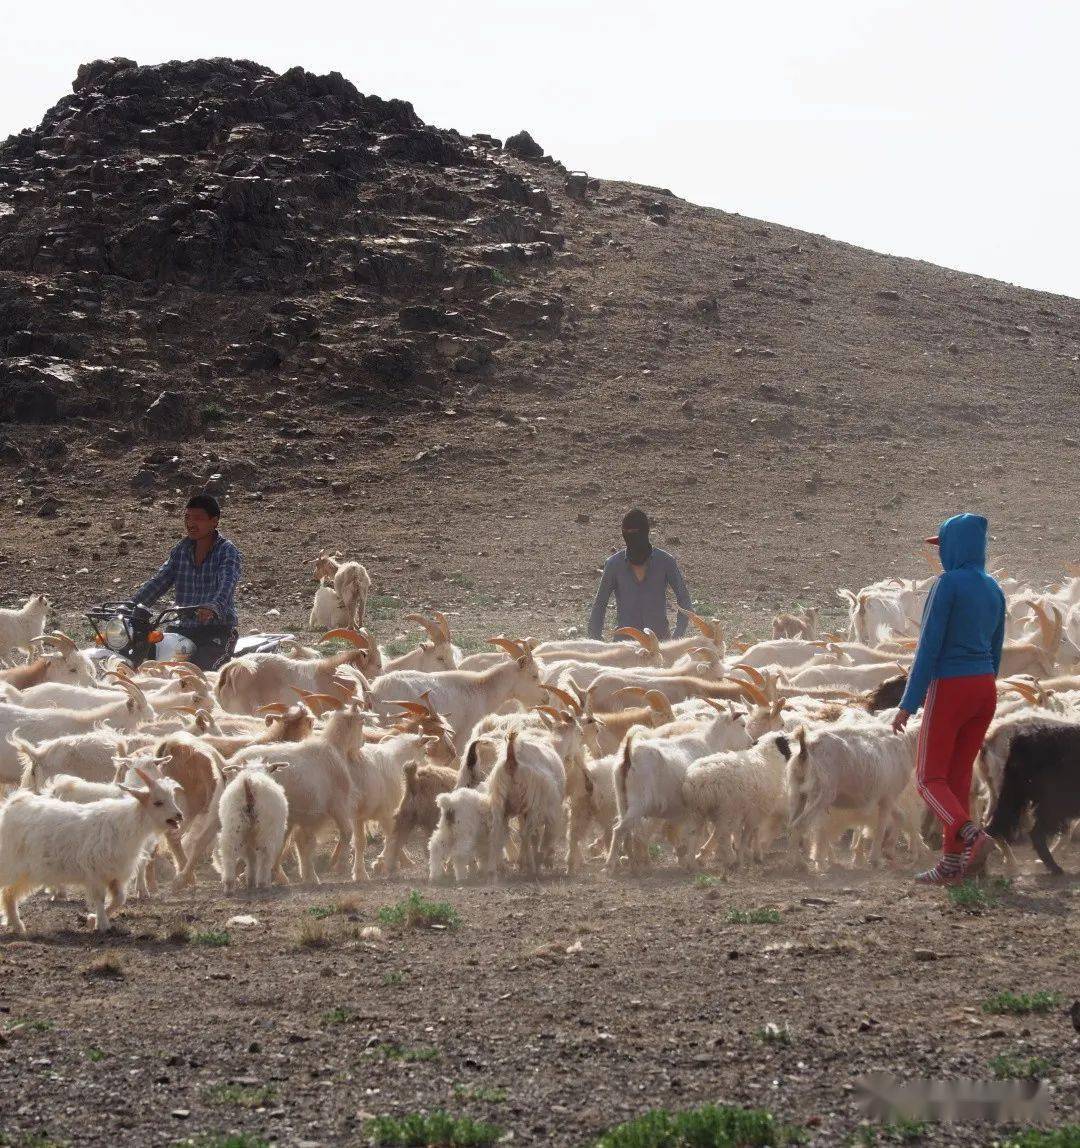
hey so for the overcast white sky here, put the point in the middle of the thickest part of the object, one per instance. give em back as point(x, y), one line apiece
point(939, 129)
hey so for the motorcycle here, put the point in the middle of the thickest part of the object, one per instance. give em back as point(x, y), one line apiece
point(135, 634)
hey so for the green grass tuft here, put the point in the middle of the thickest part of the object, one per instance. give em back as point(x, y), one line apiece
point(212, 938)
point(1019, 1004)
point(774, 1034)
point(975, 896)
point(754, 917)
point(704, 881)
point(242, 1095)
point(95, 1055)
point(1067, 1136)
point(711, 1126)
point(417, 912)
point(1009, 1067)
point(339, 1015)
point(481, 1093)
point(438, 1130)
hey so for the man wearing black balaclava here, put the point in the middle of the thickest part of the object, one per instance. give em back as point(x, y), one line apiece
point(639, 576)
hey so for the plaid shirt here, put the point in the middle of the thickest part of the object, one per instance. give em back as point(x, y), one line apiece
point(213, 584)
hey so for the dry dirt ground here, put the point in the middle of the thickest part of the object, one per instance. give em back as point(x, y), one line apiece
point(552, 1011)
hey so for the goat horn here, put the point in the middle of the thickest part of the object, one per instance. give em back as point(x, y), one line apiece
point(1024, 690)
point(432, 628)
point(514, 649)
point(635, 633)
point(658, 701)
point(630, 691)
point(411, 707)
point(551, 711)
point(564, 697)
point(272, 708)
point(440, 617)
point(320, 703)
point(751, 672)
point(752, 693)
point(353, 637)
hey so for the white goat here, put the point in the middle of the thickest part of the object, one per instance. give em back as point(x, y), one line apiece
point(861, 768)
point(743, 794)
point(19, 627)
point(254, 815)
point(35, 725)
point(48, 842)
point(649, 778)
point(351, 583)
point(463, 697)
point(316, 779)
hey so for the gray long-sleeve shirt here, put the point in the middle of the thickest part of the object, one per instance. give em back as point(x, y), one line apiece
point(641, 604)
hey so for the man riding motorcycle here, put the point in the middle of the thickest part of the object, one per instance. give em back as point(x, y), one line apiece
point(204, 568)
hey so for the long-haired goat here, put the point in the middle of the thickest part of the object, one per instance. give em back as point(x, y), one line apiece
point(48, 842)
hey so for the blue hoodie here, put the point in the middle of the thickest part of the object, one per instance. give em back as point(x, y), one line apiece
point(963, 622)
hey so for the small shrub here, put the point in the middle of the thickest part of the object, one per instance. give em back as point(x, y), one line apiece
point(108, 966)
point(243, 1095)
point(704, 881)
point(321, 912)
point(212, 938)
point(774, 1034)
point(95, 1055)
point(393, 980)
point(417, 1130)
point(313, 934)
point(754, 917)
point(417, 912)
point(711, 1126)
point(1008, 1067)
point(1019, 1004)
point(212, 413)
point(179, 933)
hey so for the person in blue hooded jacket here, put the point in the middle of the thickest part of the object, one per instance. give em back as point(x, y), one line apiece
point(953, 674)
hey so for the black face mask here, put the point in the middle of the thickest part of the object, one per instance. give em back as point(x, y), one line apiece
point(638, 546)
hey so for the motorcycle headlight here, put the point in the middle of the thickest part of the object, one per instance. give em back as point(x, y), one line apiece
point(117, 634)
point(174, 648)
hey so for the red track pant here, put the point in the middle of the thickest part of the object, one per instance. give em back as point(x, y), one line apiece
point(955, 718)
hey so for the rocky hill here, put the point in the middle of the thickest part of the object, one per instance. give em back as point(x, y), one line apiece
point(458, 361)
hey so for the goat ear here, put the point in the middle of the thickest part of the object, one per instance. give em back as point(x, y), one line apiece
point(274, 766)
point(270, 718)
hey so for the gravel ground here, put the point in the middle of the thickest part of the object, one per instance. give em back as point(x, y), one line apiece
point(552, 1010)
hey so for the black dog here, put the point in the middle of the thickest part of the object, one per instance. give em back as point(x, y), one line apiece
point(1043, 771)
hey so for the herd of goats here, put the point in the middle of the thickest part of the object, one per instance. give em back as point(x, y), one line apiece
point(534, 755)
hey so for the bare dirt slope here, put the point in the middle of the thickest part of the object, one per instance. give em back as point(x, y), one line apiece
point(489, 370)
